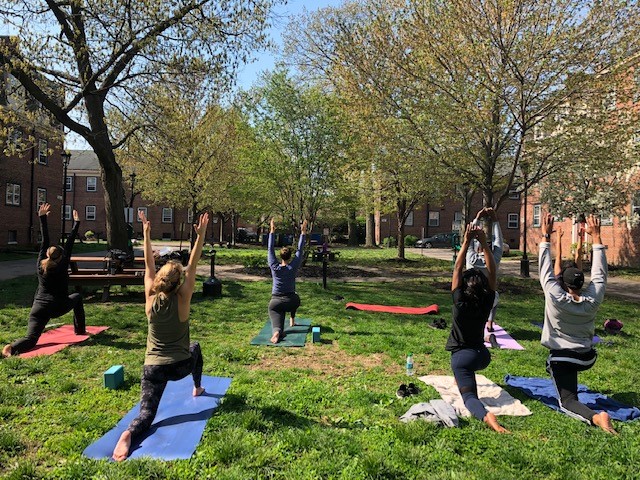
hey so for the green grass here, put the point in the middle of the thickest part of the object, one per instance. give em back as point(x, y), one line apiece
point(324, 411)
point(24, 253)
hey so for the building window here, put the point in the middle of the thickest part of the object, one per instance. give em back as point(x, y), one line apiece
point(190, 216)
point(68, 184)
point(636, 76)
point(167, 215)
point(92, 184)
point(609, 100)
point(13, 237)
point(43, 151)
point(67, 212)
point(513, 220)
point(606, 221)
point(434, 219)
point(13, 194)
point(635, 206)
point(143, 210)
point(409, 221)
point(537, 215)
point(42, 196)
point(514, 194)
point(90, 212)
point(15, 138)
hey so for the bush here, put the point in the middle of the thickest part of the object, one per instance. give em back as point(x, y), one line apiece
point(390, 242)
point(89, 235)
point(255, 261)
point(410, 240)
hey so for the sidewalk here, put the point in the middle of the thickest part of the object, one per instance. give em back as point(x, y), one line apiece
point(619, 287)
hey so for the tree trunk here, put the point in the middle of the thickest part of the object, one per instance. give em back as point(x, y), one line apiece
point(352, 228)
point(401, 218)
point(370, 231)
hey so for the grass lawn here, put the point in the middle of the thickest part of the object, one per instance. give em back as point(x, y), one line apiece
point(78, 249)
point(327, 410)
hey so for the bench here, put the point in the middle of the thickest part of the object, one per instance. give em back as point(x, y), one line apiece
point(105, 280)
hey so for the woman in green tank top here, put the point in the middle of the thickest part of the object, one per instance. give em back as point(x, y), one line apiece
point(170, 356)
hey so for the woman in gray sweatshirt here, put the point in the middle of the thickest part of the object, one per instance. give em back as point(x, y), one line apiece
point(569, 322)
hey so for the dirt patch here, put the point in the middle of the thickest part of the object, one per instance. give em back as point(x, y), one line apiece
point(326, 360)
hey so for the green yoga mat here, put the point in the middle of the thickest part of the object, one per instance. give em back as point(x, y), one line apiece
point(294, 336)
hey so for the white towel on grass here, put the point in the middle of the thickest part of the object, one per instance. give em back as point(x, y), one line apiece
point(494, 398)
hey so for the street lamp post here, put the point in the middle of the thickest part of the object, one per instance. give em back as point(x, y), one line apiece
point(524, 261)
point(66, 156)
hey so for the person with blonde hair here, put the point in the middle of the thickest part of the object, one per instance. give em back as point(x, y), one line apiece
point(170, 355)
point(52, 299)
point(283, 293)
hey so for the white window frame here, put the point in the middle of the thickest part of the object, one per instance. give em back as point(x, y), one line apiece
point(43, 151)
point(606, 221)
point(41, 196)
point(409, 221)
point(94, 187)
point(13, 196)
point(433, 218)
point(635, 204)
point(189, 216)
point(141, 209)
point(537, 215)
point(514, 194)
point(66, 212)
point(510, 220)
point(167, 215)
point(68, 184)
point(90, 216)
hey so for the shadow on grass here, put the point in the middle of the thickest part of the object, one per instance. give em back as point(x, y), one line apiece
point(525, 334)
point(270, 414)
point(628, 398)
point(111, 340)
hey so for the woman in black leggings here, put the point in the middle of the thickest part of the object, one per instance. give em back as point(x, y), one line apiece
point(170, 356)
point(52, 299)
point(473, 295)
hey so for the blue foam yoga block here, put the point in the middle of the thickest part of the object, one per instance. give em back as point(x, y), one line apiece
point(315, 333)
point(114, 377)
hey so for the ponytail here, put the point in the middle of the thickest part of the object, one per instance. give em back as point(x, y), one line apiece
point(52, 260)
point(165, 283)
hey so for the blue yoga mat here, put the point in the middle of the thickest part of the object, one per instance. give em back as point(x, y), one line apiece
point(543, 389)
point(178, 426)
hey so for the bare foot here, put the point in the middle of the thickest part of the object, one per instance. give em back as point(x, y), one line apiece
point(197, 391)
point(276, 337)
point(603, 421)
point(292, 322)
point(490, 327)
point(491, 420)
point(6, 351)
point(121, 452)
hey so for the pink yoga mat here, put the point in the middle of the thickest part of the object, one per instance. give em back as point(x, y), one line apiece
point(431, 309)
point(505, 340)
point(53, 341)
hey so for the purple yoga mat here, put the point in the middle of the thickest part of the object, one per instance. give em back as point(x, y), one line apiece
point(505, 340)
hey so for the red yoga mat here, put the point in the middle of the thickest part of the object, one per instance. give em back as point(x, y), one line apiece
point(54, 340)
point(431, 309)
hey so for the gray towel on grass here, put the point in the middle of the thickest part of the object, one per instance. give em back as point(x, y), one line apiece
point(436, 411)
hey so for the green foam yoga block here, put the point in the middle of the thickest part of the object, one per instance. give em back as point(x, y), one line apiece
point(114, 377)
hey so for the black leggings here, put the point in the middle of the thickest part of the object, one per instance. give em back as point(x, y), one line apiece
point(465, 363)
point(279, 306)
point(41, 312)
point(154, 381)
point(563, 366)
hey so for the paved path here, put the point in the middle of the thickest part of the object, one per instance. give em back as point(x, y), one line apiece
point(619, 287)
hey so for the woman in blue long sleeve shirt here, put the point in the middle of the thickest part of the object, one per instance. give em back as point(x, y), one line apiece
point(52, 299)
point(283, 294)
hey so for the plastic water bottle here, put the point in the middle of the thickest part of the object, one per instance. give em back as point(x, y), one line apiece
point(410, 364)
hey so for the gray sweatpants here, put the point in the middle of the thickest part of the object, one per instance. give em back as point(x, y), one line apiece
point(279, 306)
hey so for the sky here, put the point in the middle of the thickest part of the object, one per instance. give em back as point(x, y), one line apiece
point(264, 60)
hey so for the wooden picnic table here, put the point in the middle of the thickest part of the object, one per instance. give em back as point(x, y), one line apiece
point(105, 280)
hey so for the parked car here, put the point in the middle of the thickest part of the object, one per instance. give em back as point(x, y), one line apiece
point(441, 240)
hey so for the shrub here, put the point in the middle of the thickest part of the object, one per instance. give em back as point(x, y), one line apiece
point(410, 240)
point(89, 235)
point(255, 261)
point(390, 242)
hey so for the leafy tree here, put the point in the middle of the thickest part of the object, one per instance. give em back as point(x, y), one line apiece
point(105, 53)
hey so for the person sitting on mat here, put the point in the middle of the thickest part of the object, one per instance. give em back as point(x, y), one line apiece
point(52, 299)
point(569, 322)
point(283, 294)
point(475, 255)
point(170, 356)
point(558, 267)
point(473, 294)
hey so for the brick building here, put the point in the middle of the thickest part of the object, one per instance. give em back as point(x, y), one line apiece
point(86, 195)
point(30, 166)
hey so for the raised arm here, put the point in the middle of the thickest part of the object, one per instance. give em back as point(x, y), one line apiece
point(149, 260)
point(599, 261)
point(545, 267)
point(68, 246)
point(186, 290)
point(557, 266)
point(458, 268)
point(301, 242)
point(497, 243)
point(578, 255)
point(271, 254)
point(43, 211)
point(488, 258)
